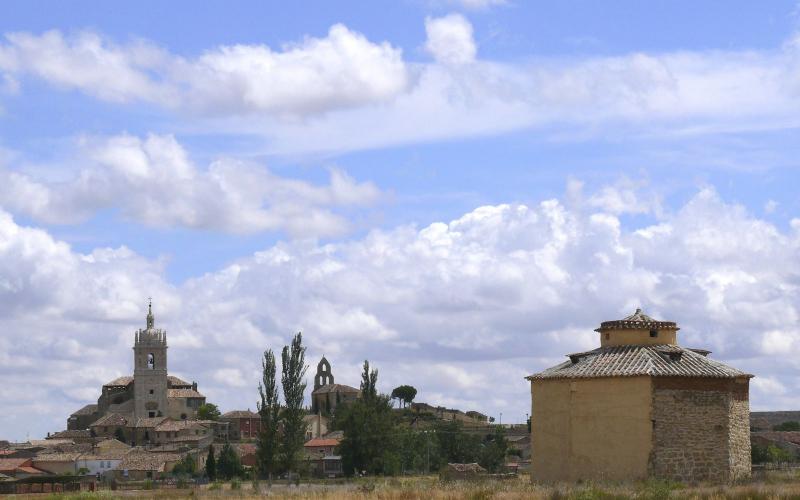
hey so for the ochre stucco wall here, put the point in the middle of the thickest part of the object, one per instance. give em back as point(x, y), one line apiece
point(591, 429)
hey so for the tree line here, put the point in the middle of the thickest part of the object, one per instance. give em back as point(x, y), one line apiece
point(377, 439)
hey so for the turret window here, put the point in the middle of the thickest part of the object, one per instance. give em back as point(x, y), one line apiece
point(151, 361)
point(654, 333)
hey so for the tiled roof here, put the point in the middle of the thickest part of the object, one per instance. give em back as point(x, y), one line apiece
point(638, 320)
point(316, 442)
point(119, 382)
point(149, 422)
point(107, 455)
point(636, 360)
point(11, 464)
point(240, 414)
point(71, 434)
point(178, 425)
point(56, 457)
point(50, 443)
point(86, 410)
point(175, 381)
point(329, 388)
point(110, 420)
point(183, 393)
point(139, 460)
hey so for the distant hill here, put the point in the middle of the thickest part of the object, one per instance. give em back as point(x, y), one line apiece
point(766, 420)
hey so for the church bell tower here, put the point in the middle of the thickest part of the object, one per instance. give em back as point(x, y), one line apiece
point(150, 370)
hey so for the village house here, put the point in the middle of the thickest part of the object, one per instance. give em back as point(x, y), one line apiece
point(243, 425)
point(316, 426)
point(140, 465)
point(640, 406)
point(57, 463)
point(19, 468)
point(320, 454)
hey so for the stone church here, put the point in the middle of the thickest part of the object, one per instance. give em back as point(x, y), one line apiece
point(640, 406)
point(327, 394)
point(150, 393)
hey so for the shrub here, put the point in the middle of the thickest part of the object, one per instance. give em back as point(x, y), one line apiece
point(787, 426)
point(216, 485)
point(148, 485)
point(236, 484)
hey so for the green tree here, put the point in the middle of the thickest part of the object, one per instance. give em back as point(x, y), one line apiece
point(294, 387)
point(208, 411)
point(229, 465)
point(211, 464)
point(405, 393)
point(369, 442)
point(415, 449)
point(779, 455)
point(787, 426)
point(758, 454)
point(119, 434)
point(185, 465)
point(493, 452)
point(269, 410)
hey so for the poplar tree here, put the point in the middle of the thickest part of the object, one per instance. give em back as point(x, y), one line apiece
point(294, 387)
point(211, 464)
point(268, 409)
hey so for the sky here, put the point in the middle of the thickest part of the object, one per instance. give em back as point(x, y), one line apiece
point(459, 191)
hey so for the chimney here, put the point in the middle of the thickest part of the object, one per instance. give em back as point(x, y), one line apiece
point(194, 386)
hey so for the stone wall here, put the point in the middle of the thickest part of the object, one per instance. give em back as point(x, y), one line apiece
point(700, 430)
point(739, 444)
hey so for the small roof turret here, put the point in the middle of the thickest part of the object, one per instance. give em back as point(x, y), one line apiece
point(638, 321)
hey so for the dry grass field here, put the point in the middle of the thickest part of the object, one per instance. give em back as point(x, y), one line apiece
point(776, 486)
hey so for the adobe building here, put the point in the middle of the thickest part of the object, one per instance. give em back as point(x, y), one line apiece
point(640, 406)
point(326, 394)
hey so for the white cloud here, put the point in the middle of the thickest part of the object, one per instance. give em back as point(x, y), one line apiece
point(462, 310)
point(153, 181)
point(315, 75)
point(450, 39)
point(343, 91)
point(471, 4)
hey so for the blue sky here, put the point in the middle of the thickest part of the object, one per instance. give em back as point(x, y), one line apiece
point(371, 172)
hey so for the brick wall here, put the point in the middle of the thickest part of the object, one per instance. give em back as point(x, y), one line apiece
point(700, 430)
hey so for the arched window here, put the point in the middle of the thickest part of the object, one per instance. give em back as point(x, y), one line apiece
point(151, 361)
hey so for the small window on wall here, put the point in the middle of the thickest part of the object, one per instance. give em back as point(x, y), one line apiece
point(608, 336)
point(151, 361)
point(151, 414)
point(151, 391)
point(653, 333)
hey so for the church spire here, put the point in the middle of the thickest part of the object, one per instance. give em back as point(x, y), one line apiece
point(151, 321)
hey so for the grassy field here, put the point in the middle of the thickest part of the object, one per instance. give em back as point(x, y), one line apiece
point(430, 488)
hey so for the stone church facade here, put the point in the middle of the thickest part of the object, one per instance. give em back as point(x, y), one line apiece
point(149, 394)
point(327, 395)
point(640, 406)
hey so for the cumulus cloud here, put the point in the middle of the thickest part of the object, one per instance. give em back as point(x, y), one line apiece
point(450, 39)
point(152, 181)
point(315, 75)
point(343, 91)
point(462, 310)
